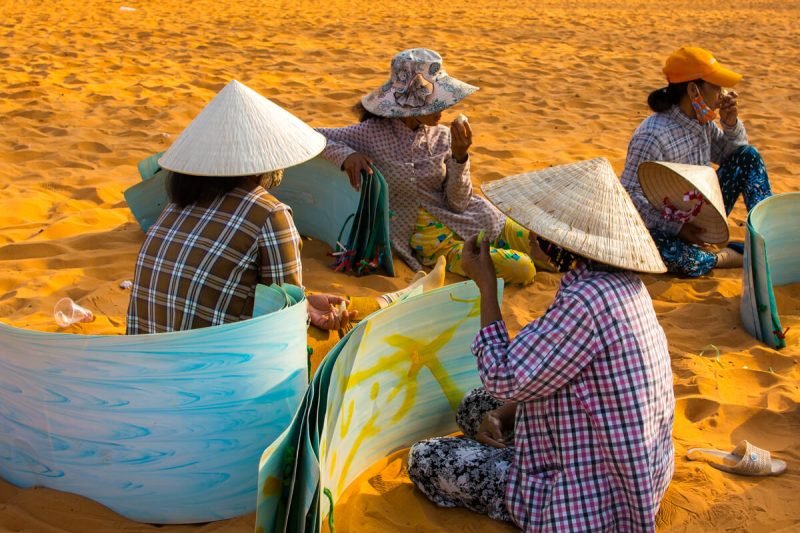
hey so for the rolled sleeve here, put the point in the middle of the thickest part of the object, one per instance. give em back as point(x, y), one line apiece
point(545, 356)
point(279, 250)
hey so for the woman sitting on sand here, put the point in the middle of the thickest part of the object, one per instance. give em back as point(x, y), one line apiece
point(427, 168)
point(573, 428)
point(682, 130)
point(222, 232)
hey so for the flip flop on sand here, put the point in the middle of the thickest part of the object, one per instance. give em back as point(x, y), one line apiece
point(745, 459)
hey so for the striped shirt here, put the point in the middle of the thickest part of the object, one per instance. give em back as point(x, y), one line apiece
point(593, 433)
point(199, 265)
point(673, 137)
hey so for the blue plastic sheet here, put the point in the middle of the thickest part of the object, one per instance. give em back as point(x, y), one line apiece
point(164, 428)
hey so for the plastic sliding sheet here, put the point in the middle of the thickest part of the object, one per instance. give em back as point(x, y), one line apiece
point(323, 203)
point(164, 428)
point(397, 377)
point(771, 258)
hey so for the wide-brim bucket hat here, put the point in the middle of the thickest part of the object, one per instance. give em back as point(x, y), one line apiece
point(418, 85)
point(581, 207)
point(241, 133)
point(686, 194)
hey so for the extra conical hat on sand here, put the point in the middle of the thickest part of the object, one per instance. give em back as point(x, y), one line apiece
point(673, 181)
point(241, 133)
point(583, 208)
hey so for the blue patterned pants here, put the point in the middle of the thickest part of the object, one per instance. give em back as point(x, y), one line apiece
point(742, 174)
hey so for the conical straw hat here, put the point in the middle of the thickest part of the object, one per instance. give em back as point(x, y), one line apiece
point(583, 208)
point(241, 133)
point(668, 186)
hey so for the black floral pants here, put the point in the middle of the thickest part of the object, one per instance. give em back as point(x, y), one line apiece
point(462, 472)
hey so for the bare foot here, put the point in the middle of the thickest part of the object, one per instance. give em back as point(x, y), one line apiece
point(433, 279)
point(728, 258)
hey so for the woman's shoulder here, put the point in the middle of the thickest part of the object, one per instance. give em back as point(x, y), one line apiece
point(262, 202)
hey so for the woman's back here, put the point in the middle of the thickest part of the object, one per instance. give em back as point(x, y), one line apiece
point(199, 265)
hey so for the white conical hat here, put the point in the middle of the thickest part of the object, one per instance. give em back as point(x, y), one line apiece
point(583, 208)
point(668, 186)
point(241, 133)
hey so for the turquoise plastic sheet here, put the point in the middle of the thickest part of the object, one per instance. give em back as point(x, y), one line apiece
point(771, 258)
point(323, 202)
point(397, 377)
point(164, 428)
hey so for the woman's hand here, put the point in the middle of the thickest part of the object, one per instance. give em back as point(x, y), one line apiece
point(323, 310)
point(491, 430)
point(477, 262)
point(354, 165)
point(692, 234)
point(460, 140)
point(728, 109)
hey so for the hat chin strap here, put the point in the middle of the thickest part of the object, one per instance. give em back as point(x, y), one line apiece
point(671, 213)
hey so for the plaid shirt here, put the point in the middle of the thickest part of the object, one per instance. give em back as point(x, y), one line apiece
point(199, 266)
point(593, 433)
point(673, 137)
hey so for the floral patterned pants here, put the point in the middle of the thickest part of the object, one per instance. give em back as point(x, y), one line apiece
point(510, 252)
point(742, 174)
point(460, 471)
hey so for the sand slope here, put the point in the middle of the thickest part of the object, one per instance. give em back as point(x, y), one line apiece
point(87, 90)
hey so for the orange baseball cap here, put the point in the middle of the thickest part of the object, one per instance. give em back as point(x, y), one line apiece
point(689, 63)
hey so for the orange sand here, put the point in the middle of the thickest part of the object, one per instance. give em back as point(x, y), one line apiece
point(89, 90)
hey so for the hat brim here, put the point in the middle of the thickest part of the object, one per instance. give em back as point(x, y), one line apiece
point(448, 91)
point(241, 133)
point(660, 179)
point(724, 77)
point(582, 208)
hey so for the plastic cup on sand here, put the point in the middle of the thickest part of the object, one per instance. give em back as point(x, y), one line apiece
point(67, 312)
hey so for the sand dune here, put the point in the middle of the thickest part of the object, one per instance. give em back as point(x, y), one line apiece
point(87, 90)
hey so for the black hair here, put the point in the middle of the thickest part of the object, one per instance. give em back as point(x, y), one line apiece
point(364, 115)
point(560, 258)
point(664, 98)
point(185, 190)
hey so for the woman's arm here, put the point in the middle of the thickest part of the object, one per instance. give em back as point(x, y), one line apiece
point(644, 146)
point(726, 140)
point(458, 186)
point(546, 355)
point(342, 142)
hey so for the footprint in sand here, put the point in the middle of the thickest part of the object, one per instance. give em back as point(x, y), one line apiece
point(696, 409)
point(72, 79)
point(32, 114)
point(53, 131)
point(94, 147)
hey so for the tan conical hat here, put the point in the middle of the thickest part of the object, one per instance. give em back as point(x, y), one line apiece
point(583, 208)
point(241, 133)
point(669, 187)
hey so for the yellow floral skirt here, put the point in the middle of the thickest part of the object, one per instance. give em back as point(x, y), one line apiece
point(510, 252)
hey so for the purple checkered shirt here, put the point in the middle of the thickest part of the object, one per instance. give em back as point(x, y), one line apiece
point(673, 137)
point(593, 433)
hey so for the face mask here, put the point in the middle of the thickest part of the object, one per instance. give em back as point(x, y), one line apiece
point(703, 113)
